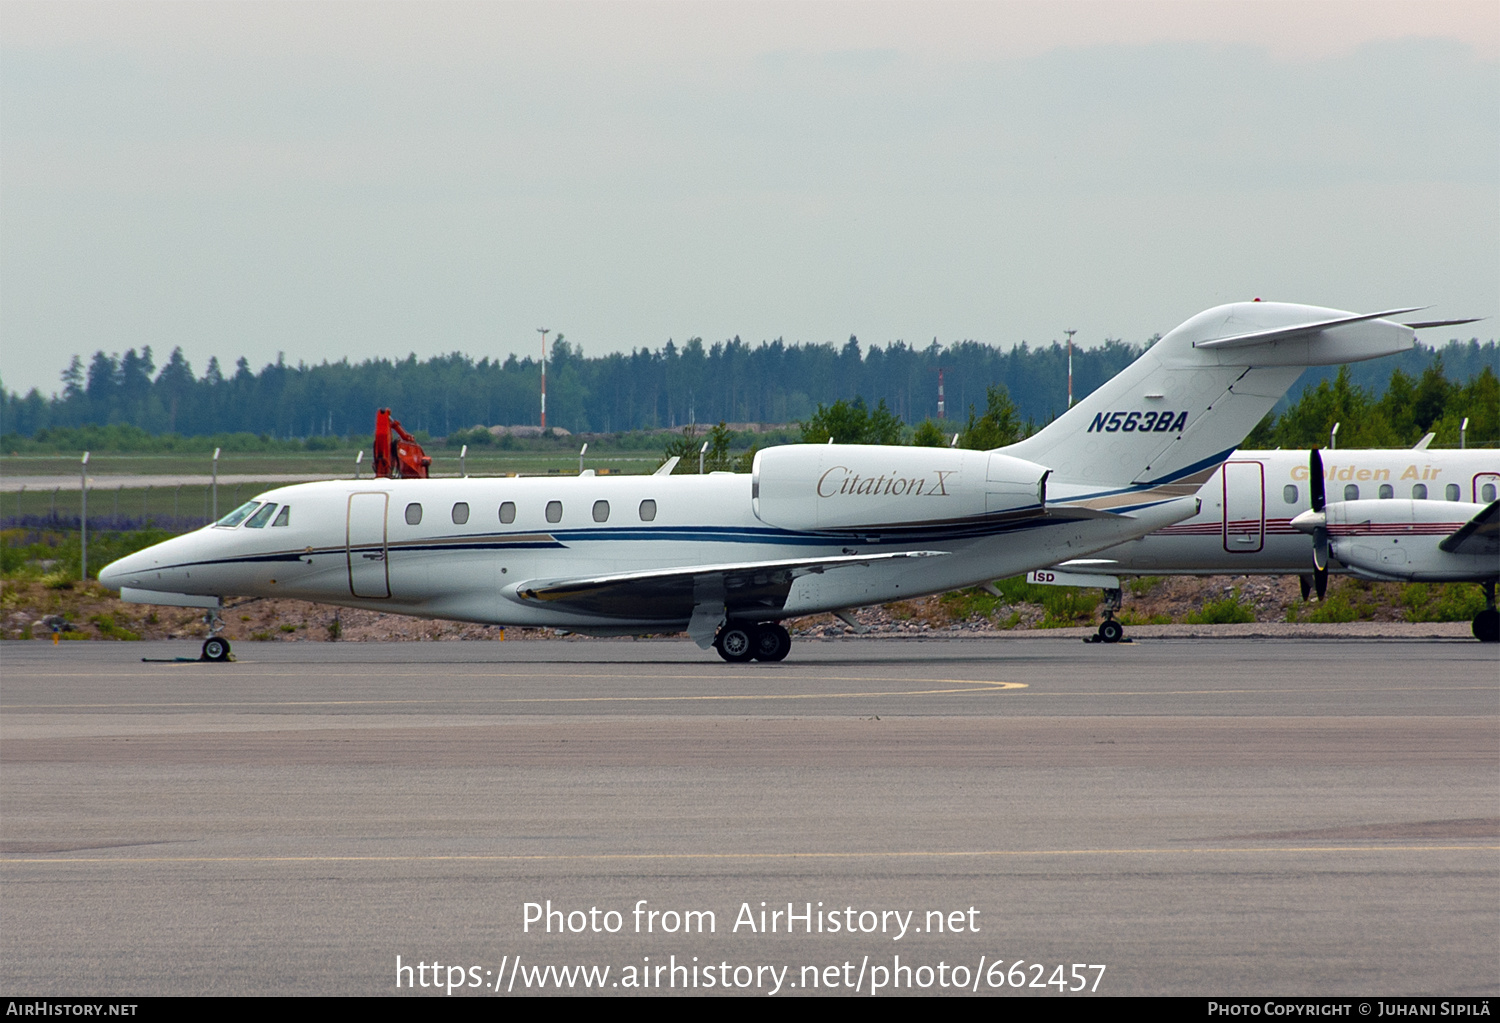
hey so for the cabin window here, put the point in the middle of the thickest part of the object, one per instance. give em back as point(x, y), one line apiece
point(1387, 491)
point(460, 513)
point(1451, 491)
point(1419, 491)
point(648, 510)
point(1351, 492)
point(508, 512)
point(1289, 493)
point(1487, 492)
point(414, 514)
point(260, 518)
point(554, 511)
point(239, 515)
point(601, 511)
point(285, 517)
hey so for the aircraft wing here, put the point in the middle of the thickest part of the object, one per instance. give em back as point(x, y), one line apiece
point(672, 594)
point(1480, 535)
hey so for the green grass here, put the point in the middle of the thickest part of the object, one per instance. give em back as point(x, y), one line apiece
point(1227, 610)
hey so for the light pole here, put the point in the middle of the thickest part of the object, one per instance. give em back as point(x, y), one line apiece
point(83, 515)
point(360, 457)
point(544, 331)
point(580, 458)
point(701, 452)
point(1463, 434)
point(1333, 437)
point(216, 486)
point(463, 454)
point(1070, 334)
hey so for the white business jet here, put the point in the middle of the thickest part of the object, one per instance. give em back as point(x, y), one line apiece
point(1261, 510)
point(812, 528)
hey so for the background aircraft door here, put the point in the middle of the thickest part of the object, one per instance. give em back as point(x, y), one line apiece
point(1244, 507)
point(365, 543)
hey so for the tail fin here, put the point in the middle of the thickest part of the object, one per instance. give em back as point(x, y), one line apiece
point(1195, 395)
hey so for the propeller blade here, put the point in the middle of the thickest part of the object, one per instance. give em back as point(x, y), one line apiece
point(1320, 549)
point(1315, 480)
point(1320, 580)
point(1306, 582)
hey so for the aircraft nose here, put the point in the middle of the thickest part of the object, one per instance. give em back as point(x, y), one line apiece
point(112, 575)
point(118, 573)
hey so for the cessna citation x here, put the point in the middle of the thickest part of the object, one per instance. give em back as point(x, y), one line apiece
point(812, 528)
point(1392, 513)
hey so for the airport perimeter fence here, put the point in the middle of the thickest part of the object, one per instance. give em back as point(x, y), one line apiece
point(177, 509)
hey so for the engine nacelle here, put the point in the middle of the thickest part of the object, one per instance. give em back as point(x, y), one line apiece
point(867, 486)
point(1398, 539)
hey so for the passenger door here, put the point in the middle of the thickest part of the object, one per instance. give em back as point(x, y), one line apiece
point(367, 547)
point(1244, 507)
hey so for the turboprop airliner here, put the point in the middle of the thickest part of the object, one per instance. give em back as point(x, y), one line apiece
point(1261, 510)
point(726, 557)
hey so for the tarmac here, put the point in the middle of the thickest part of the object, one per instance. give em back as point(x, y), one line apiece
point(1235, 816)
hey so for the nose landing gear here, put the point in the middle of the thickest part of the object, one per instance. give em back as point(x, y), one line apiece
point(215, 647)
point(767, 641)
point(1110, 630)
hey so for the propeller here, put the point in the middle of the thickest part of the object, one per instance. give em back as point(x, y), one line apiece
point(1319, 522)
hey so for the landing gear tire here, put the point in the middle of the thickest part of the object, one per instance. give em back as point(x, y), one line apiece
point(735, 643)
point(1111, 631)
point(771, 642)
point(1487, 626)
point(216, 649)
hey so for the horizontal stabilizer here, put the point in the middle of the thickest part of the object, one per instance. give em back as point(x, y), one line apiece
point(1296, 330)
point(1444, 323)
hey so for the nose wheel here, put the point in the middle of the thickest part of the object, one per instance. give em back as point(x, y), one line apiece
point(1110, 630)
point(215, 647)
point(767, 641)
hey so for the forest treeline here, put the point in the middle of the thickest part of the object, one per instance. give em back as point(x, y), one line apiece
point(670, 387)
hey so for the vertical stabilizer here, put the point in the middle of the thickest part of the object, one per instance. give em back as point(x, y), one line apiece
point(1186, 403)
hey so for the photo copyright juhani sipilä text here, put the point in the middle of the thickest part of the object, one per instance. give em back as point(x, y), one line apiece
point(513, 972)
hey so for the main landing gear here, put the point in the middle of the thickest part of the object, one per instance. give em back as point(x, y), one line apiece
point(767, 641)
point(1110, 630)
point(215, 647)
point(1487, 622)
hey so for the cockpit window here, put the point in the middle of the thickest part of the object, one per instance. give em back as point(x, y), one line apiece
point(239, 515)
point(284, 517)
point(260, 518)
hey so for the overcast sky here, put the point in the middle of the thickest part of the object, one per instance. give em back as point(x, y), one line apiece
point(359, 179)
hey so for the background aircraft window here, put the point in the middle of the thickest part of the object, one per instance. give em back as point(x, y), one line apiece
point(460, 513)
point(260, 518)
point(239, 515)
point(413, 514)
point(1451, 491)
point(508, 512)
point(554, 511)
point(1387, 491)
point(1289, 493)
point(1487, 492)
point(285, 517)
point(601, 511)
point(648, 510)
point(1351, 492)
point(1419, 491)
